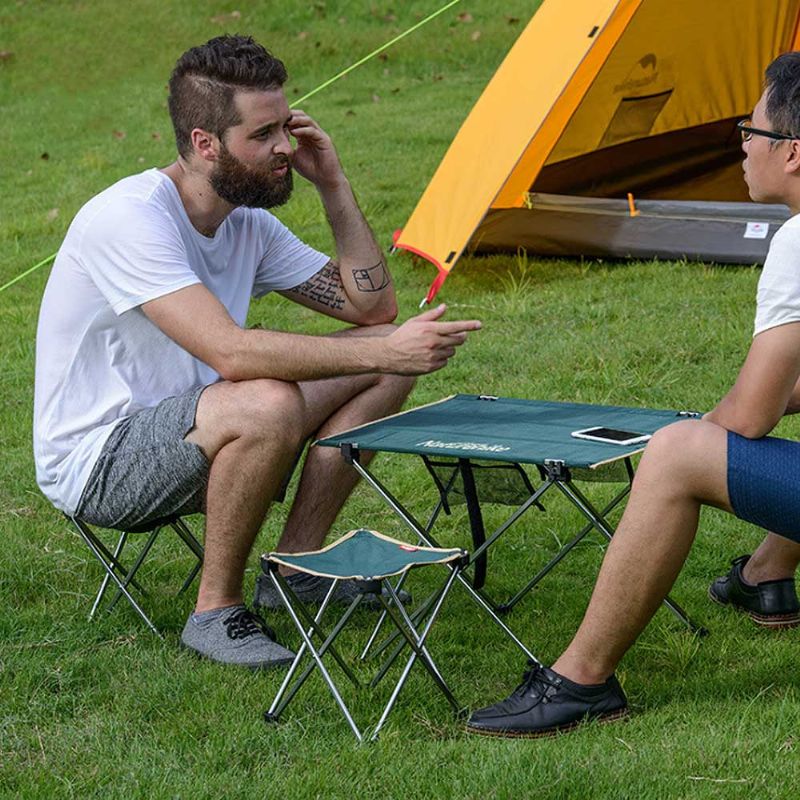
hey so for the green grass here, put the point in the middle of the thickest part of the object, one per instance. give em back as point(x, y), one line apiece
point(106, 709)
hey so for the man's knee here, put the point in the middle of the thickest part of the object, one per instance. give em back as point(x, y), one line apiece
point(258, 409)
point(683, 440)
point(690, 452)
point(397, 386)
point(267, 407)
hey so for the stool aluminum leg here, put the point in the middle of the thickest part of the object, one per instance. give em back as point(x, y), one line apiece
point(104, 585)
point(136, 564)
point(98, 550)
point(277, 581)
point(409, 520)
point(417, 643)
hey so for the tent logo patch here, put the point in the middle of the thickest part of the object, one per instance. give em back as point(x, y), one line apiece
point(476, 447)
point(756, 230)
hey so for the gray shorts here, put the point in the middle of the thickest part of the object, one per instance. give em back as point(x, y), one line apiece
point(146, 471)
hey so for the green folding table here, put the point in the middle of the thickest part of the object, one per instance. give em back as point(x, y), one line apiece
point(464, 438)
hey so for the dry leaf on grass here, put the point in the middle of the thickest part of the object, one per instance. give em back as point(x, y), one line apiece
point(119, 134)
point(52, 214)
point(465, 16)
point(222, 19)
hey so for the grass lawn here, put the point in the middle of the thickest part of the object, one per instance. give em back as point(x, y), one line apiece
point(107, 709)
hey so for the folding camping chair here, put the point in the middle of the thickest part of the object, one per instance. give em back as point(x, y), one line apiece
point(370, 559)
point(124, 577)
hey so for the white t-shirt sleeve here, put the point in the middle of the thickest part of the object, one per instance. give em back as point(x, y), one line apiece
point(778, 297)
point(134, 253)
point(287, 261)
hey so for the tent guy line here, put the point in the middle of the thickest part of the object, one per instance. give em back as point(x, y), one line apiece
point(302, 99)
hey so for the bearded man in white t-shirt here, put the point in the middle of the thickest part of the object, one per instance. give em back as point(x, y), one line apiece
point(152, 398)
point(725, 460)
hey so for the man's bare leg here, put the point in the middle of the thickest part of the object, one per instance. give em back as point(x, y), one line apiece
point(249, 431)
point(684, 467)
point(327, 480)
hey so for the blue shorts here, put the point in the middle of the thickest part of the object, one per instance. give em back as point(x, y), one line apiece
point(764, 483)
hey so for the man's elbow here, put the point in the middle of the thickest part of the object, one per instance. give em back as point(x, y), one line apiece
point(382, 315)
point(229, 363)
point(753, 429)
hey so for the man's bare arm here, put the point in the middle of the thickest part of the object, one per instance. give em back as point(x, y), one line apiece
point(198, 322)
point(325, 292)
point(765, 388)
point(365, 292)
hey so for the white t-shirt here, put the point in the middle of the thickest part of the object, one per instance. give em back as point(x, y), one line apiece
point(778, 296)
point(99, 359)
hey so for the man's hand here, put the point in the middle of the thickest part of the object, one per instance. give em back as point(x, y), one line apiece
point(315, 156)
point(423, 344)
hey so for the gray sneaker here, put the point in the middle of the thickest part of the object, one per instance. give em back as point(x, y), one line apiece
point(312, 589)
point(236, 636)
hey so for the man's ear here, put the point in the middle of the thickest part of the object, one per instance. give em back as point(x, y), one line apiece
point(205, 144)
point(792, 164)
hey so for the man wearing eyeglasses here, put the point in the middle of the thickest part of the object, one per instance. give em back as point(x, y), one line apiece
point(725, 460)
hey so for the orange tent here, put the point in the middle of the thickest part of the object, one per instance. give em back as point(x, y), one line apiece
point(610, 129)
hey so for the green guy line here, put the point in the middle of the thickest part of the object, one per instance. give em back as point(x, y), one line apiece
point(27, 272)
point(375, 52)
point(295, 102)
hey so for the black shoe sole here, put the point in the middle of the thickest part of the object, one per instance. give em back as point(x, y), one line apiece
point(772, 621)
point(603, 719)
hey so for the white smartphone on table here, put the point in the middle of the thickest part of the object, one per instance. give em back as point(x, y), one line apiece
point(611, 436)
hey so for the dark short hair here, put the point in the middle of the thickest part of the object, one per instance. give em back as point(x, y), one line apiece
point(203, 85)
point(783, 93)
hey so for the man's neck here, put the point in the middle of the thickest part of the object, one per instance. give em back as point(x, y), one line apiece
point(204, 207)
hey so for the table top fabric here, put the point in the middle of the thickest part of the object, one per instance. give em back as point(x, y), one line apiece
point(505, 429)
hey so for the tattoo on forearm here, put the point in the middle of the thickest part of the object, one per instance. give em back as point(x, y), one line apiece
point(372, 279)
point(324, 288)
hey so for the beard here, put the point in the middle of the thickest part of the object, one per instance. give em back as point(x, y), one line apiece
point(254, 187)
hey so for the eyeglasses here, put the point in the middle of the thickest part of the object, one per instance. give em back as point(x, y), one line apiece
point(748, 133)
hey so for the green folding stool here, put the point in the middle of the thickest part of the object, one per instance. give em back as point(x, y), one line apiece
point(370, 559)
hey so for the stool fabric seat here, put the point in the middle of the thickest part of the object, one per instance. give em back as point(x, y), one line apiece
point(365, 555)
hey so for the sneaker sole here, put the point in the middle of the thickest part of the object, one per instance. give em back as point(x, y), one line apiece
point(774, 621)
point(264, 665)
point(603, 719)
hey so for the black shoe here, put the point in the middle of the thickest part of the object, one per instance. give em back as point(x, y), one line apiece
point(772, 604)
point(545, 703)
